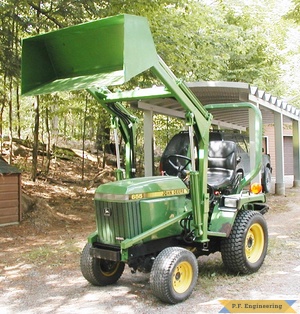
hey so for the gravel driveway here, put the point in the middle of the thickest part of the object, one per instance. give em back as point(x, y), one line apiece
point(39, 269)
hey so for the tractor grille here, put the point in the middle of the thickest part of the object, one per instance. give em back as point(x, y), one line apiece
point(117, 221)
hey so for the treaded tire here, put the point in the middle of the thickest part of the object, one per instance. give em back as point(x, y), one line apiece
point(174, 275)
point(97, 271)
point(245, 249)
point(267, 180)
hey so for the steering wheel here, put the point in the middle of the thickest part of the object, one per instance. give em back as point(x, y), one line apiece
point(181, 169)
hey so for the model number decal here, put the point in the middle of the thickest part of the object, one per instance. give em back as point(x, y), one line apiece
point(136, 196)
point(140, 196)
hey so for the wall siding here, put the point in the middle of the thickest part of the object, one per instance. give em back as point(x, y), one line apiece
point(269, 132)
point(10, 208)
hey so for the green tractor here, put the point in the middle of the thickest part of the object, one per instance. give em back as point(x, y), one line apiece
point(158, 224)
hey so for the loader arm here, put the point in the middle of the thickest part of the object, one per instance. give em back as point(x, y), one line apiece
point(125, 122)
point(106, 53)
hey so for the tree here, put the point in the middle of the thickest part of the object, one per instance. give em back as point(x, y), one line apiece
point(294, 12)
point(291, 65)
point(199, 40)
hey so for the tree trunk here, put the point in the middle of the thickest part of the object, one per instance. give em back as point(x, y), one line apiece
point(17, 45)
point(10, 119)
point(35, 139)
point(83, 138)
point(48, 141)
point(1, 119)
point(36, 107)
point(1, 111)
point(18, 112)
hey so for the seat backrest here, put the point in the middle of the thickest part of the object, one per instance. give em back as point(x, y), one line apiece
point(222, 154)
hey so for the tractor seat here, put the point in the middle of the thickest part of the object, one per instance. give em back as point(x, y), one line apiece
point(222, 162)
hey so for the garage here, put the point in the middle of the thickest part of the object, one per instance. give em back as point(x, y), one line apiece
point(274, 111)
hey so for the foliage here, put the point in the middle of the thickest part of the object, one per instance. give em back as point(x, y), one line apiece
point(199, 40)
point(294, 13)
point(293, 54)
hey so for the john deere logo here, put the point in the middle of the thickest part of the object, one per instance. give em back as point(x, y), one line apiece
point(107, 212)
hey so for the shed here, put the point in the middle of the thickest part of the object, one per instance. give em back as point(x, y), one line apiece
point(10, 194)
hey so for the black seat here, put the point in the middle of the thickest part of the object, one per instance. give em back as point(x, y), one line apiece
point(222, 162)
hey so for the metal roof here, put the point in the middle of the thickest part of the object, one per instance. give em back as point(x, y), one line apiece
point(214, 92)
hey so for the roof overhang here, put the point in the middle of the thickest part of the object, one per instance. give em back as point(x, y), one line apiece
point(214, 92)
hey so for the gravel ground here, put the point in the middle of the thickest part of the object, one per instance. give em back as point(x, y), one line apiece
point(39, 269)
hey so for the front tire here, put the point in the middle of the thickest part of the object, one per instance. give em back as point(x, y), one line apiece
point(245, 249)
point(174, 275)
point(99, 272)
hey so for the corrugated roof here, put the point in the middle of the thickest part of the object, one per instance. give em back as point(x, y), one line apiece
point(215, 92)
point(5, 168)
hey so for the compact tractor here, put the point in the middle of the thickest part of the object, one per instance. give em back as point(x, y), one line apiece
point(159, 224)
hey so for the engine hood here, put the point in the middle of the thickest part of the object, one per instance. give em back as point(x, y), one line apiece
point(141, 188)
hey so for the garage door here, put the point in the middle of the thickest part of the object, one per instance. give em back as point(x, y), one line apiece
point(288, 155)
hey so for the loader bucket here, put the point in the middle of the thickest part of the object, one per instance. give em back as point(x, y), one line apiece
point(105, 52)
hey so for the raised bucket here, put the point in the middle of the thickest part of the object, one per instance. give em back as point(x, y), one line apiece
point(105, 52)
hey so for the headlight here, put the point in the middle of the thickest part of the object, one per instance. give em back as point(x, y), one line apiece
point(230, 202)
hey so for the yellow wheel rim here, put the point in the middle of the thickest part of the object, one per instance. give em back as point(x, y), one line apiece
point(254, 243)
point(108, 269)
point(182, 277)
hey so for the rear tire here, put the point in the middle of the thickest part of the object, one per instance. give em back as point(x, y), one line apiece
point(267, 180)
point(99, 272)
point(245, 249)
point(174, 275)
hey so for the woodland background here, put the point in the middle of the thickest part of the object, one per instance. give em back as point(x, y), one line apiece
point(255, 41)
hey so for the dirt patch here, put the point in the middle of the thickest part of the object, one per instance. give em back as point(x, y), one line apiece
point(39, 260)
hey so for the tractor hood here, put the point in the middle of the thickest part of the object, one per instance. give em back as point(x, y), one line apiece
point(141, 188)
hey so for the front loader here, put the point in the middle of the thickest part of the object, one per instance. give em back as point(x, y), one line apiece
point(158, 224)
